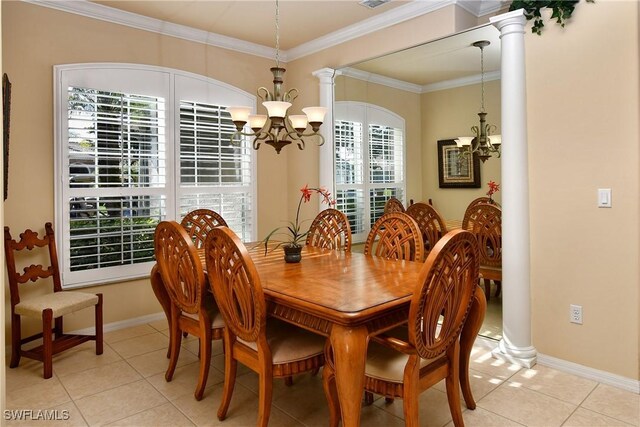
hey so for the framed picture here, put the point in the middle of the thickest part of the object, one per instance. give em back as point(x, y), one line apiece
point(454, 170)
point(6, 114)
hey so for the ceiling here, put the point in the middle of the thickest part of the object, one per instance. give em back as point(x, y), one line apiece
point(307, 26)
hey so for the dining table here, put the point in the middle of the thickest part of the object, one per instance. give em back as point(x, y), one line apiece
point(347, 297)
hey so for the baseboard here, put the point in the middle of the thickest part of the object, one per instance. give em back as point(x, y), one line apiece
point(590, 373)
point(121, 324)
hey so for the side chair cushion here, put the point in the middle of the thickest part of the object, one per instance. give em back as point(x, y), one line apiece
point(289, 343)
point(214, 313)
point(60, 303)
point(387, 364)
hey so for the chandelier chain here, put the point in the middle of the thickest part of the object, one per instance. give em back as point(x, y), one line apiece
point(277, 34)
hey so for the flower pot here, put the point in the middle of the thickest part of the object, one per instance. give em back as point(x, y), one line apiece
point(292, 254)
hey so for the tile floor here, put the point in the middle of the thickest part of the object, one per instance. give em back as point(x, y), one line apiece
point(126, 387)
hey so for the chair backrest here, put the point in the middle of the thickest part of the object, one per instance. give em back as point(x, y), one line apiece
point(393, 205)
point(30, 241)
point(430, 223)
point(395, 236)
point(330, 229)
point(180, 267)
point(199, 222)
point(236, 285)
point(484, 220)
point(444, 294)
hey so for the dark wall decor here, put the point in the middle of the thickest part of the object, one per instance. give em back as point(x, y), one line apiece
point(6, 114)
point(454, 170)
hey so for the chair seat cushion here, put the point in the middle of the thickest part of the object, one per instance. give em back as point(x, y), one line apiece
point(214, 313)
point(289, 343)
point(60, 303)
point(387, 364)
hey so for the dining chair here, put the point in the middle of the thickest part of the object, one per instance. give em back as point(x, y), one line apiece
point(199, 222)
point(484, 220)
point(395, 236)
point(49, 307)
point(393, 205)
point(430, 351)
point(273, 349)
point(330, 229)
point(192, 308)
point(430, 223)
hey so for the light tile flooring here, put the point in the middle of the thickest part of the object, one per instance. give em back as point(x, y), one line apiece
point(126, 387)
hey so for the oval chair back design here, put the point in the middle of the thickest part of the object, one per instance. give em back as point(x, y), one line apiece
point(395, 236)
point(393, 205)
point(330, 229)
point(429, 222)
point(180, 267)
point(199, 222)
point(485, 222)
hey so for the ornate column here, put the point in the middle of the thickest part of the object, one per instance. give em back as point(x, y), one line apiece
point(515, 345)
point(326, 177)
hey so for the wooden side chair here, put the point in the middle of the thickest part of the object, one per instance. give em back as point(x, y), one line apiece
point(192, 308)
point(273, 349)
point(430, 223)
point(50, 307)
point(393, 205)
point(199, 222)
point(403, 368)
point(395, 236)
point(484, 220)
point(330, 229)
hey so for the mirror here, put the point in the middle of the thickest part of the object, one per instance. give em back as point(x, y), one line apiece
point(436, 89)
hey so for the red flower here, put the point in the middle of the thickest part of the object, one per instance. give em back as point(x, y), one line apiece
point(493, 188)
point(306, 193)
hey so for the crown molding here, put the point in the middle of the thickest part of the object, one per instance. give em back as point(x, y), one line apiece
point(463, 81)
point(367, 26)
point(395, 16)
point(116, 16)
point(378, 79)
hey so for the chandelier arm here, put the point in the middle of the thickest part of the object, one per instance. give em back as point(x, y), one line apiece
point(291, 95)
point(268, 96)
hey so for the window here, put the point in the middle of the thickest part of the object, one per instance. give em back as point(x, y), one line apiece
point(136, 145)
point(369, 162)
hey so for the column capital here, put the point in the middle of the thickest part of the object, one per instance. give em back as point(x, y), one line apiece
point(324, 74)
point(510, 22)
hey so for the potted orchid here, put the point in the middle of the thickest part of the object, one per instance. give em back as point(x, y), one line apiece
point(292, 235)
point(493, 188)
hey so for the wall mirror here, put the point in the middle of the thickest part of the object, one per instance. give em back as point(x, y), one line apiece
point(434, 92)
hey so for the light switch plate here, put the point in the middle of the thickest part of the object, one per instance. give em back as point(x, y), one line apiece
point(604, 197)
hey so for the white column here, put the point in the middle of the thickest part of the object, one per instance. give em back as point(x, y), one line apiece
point(516, 345)
point(326, 176)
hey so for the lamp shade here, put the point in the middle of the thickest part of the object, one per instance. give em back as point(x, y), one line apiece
point(276, 108)
point(464, 141)
point(496, 140)
point(298, 121)
point(239, 114)
point(257, 121)
point(315, 114)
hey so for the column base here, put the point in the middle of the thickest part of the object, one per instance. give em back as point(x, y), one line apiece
point(525, 357)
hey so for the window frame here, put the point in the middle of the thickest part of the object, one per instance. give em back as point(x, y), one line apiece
point(140, 80)
point(368, 114)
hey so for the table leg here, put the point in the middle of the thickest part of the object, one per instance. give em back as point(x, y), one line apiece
point(349, 354)
point(467, 338)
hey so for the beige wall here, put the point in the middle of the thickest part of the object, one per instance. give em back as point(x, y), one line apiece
point(37, 38)
point(445, 115)
point(582, 101)
point(403, 103)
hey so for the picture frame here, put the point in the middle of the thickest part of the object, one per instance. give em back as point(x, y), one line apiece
point(455, 171)
point(6, 115)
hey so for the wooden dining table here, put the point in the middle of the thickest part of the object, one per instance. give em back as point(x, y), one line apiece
point(347, 297)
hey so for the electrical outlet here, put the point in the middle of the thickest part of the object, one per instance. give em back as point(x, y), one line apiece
point(575, 314)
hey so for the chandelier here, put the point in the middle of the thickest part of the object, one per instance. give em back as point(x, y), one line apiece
point(277, 128)
point(482, 143)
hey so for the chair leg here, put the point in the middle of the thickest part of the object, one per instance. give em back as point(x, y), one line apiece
point(487, 288)
point(411, 409)
point(58, 328)
point(175, 342)
point(265, 394)
point(230, 369)
point(368, 398)
point(498, 287)
point(47, 342)
point(15, 341)
point(205, 360)
point(452, 381)
point(99, 324)
point(288, 381)
point(468, 335)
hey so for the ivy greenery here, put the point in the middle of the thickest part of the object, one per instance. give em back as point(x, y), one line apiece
point(562, 10)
